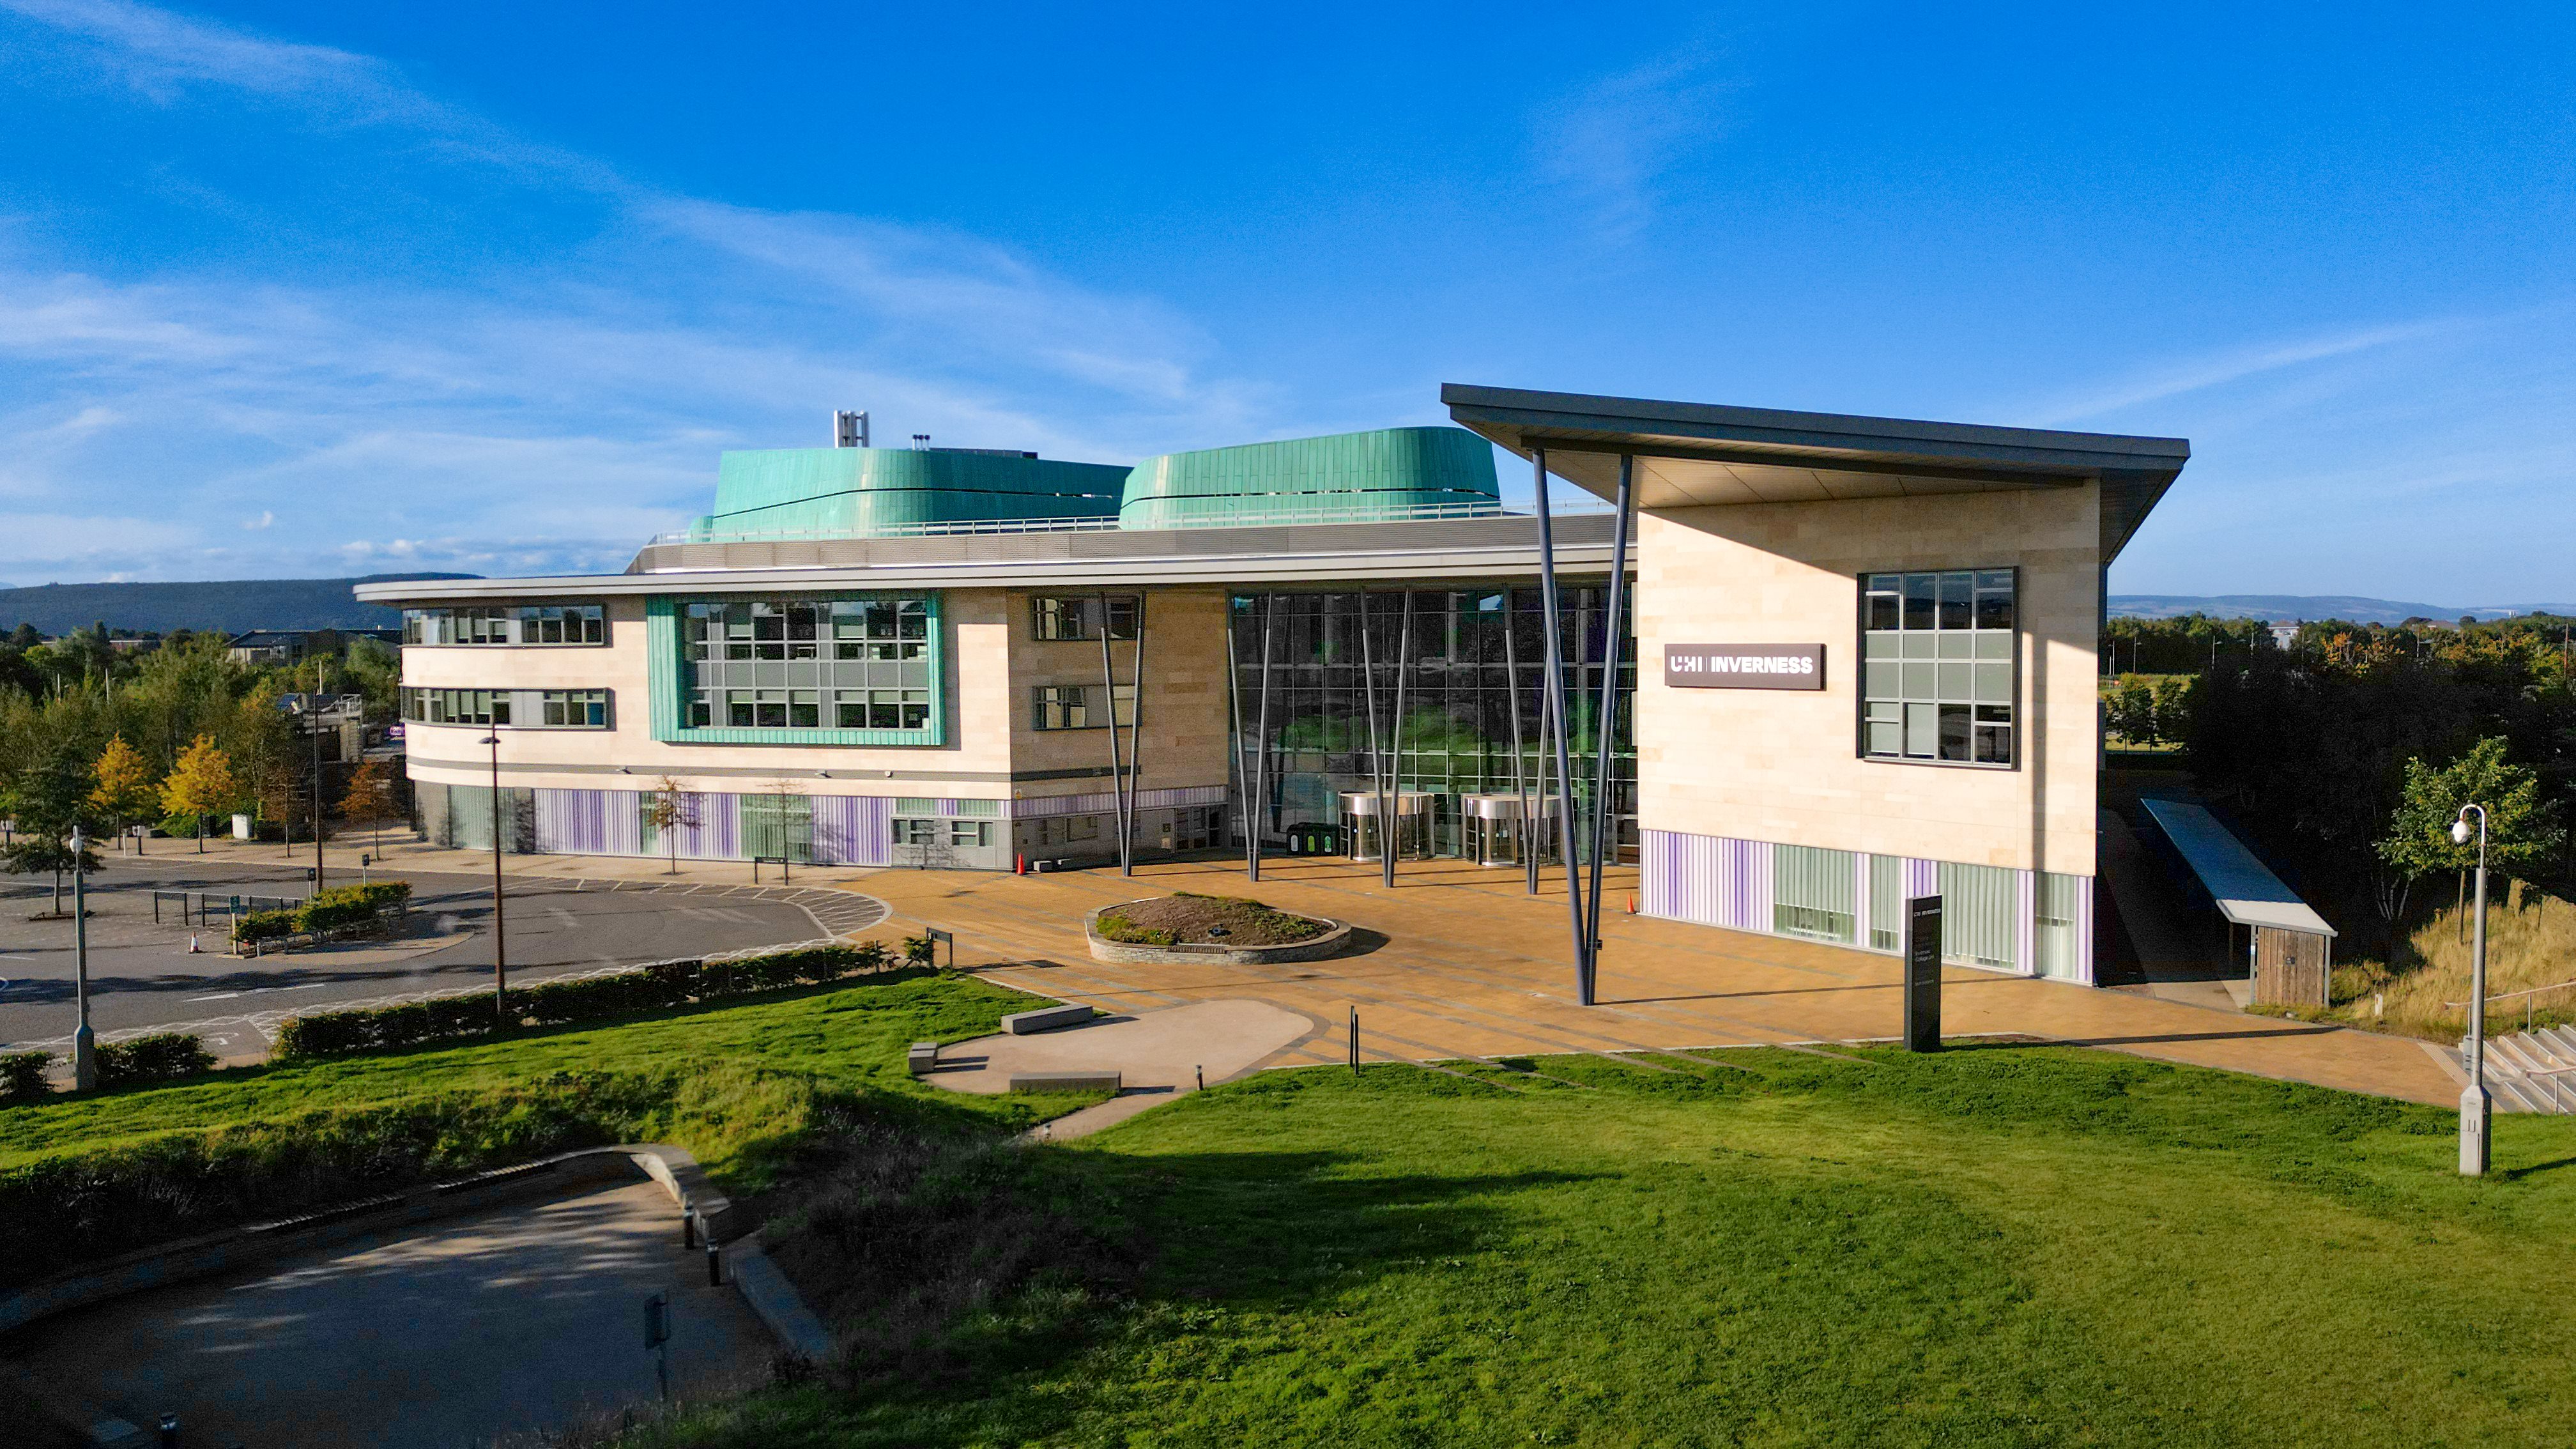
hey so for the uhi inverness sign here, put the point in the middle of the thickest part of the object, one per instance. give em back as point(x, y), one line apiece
point(1744, 666)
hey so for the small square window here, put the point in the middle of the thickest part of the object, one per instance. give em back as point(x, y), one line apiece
point(803, 710)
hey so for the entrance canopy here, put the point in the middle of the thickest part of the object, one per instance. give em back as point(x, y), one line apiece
point(1693, 455)
point(2243, 888)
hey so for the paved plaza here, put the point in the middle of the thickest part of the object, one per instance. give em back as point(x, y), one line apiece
point(519, 1318)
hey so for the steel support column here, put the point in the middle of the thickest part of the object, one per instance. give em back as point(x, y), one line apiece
point(1117, 764)
point(1395, 737)
point(1234, 736)
point(1261, 739)
point(1606, 725)
point(1520, 765)
point(1564, 763)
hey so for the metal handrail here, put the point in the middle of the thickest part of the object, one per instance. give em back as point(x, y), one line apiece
point(1403, 513)
point(2509, 995)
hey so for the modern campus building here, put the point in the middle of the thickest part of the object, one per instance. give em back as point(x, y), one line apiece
point(1825, 663)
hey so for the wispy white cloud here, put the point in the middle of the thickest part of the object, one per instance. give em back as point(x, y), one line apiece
point(1609, 144)
point(2229, 365)
point(548, 418)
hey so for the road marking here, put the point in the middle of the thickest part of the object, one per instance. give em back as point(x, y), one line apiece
point(218, 996)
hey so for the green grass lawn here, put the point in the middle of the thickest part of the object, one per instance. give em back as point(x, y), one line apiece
point(751, 1063)
point(1997, 1245)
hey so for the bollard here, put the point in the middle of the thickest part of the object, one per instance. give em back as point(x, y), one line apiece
point(1355, 1041)
point(715, 1266)
point(169, 1431)
point(688, 1226)
point(1202, 1076)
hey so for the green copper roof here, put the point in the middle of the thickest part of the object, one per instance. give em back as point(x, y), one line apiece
point(1385, 473)
point(855, 492)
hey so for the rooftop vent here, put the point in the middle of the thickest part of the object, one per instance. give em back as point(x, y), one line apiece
point(849, 430)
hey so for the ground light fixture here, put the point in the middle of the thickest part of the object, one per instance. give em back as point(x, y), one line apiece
point(84, 1040)
point(2477, 1109)
point(500, 941)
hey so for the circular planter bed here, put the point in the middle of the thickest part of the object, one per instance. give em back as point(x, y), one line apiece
point(1227, 929)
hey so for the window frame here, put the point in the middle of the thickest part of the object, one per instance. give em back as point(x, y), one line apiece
point(1934, 717)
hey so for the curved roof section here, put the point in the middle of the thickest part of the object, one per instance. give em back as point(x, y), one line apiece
point(1386, 472)
point(856, 492)
point(1693, 455)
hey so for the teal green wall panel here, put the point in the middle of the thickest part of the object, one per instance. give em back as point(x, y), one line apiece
point(1383, 473)
point(665, 669)
point(854, 492)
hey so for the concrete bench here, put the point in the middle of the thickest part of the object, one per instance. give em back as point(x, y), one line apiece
point(1065, 1081)
point(1046, 1019)
point(923, 1056)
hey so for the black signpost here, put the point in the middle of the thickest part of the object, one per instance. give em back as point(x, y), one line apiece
point(1923, 974)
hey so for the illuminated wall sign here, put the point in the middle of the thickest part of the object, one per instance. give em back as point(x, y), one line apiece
point(1744, 666)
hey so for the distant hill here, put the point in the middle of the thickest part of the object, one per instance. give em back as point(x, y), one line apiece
point(230, 605)
point(2292, 608)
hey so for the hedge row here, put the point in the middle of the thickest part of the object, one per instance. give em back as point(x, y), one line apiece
point(335, 909)
point(77, 1206)
point(22, 1076)
point(658, 987)
point(155, 1058)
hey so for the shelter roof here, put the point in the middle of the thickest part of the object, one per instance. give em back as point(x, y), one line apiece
point(2246, 891)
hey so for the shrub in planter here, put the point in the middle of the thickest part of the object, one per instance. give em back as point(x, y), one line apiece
point(22, 1076)
point(155, 1058)
point(264, 926)
point(341, 907)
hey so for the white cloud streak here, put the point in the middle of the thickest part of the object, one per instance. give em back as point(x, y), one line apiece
point(1608, 145)
point(548, 420)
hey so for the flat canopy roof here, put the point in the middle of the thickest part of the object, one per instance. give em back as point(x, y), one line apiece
point(2247, 892)
point(1702, 454)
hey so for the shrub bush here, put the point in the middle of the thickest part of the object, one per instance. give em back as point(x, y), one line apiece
point(22, 1076)
point(155, 1058)
point(79, 1206)
point(264, 925)
point(353, 905)
point(658, 987)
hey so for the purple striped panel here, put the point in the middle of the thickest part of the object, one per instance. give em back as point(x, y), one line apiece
point(2084, 931)
point(1708, 879)
point(1922, 878)
point(588, 822)
point(853, 830)
point(2026, 922)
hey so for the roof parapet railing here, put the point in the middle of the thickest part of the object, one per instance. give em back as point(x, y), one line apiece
point(1257, 518)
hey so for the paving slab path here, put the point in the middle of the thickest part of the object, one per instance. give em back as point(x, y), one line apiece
point(518, 1319)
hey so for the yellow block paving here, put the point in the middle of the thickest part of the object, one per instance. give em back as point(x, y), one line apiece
point(1464, 964)
point(1460, 962)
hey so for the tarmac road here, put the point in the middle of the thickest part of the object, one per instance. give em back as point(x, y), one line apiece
point(141, 973)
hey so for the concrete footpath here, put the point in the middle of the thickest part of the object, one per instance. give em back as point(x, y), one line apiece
point(521, 1318)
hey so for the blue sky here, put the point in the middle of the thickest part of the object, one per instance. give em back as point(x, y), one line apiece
point(313, 289)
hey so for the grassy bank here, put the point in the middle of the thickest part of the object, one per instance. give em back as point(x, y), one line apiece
point(745, 1088)
point(2531, 942)
point(1994, 1246)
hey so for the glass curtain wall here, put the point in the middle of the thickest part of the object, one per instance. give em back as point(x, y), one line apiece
point(1475, 657)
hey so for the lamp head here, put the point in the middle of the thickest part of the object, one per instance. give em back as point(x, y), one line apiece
point(2460, 831)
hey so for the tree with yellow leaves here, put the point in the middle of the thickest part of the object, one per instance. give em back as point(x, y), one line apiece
point(125, 791)
point(200, 784)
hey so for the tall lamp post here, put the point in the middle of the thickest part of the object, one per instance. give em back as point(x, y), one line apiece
point(2477, 1109)
point(500, 940)
point(84, 1040)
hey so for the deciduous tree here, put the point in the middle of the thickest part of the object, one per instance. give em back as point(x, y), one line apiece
point(124, 790)
point(201, 784)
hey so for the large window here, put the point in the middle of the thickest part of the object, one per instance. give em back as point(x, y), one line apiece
point(1937, 653)
point(575, 709)
point(809, 664)
point(1075, 706)
point(1079, 617)
point(507, 624)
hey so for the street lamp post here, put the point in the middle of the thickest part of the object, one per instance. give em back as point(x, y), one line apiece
point(84, 1041)
point(2477, 1109)
point(500, 939)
